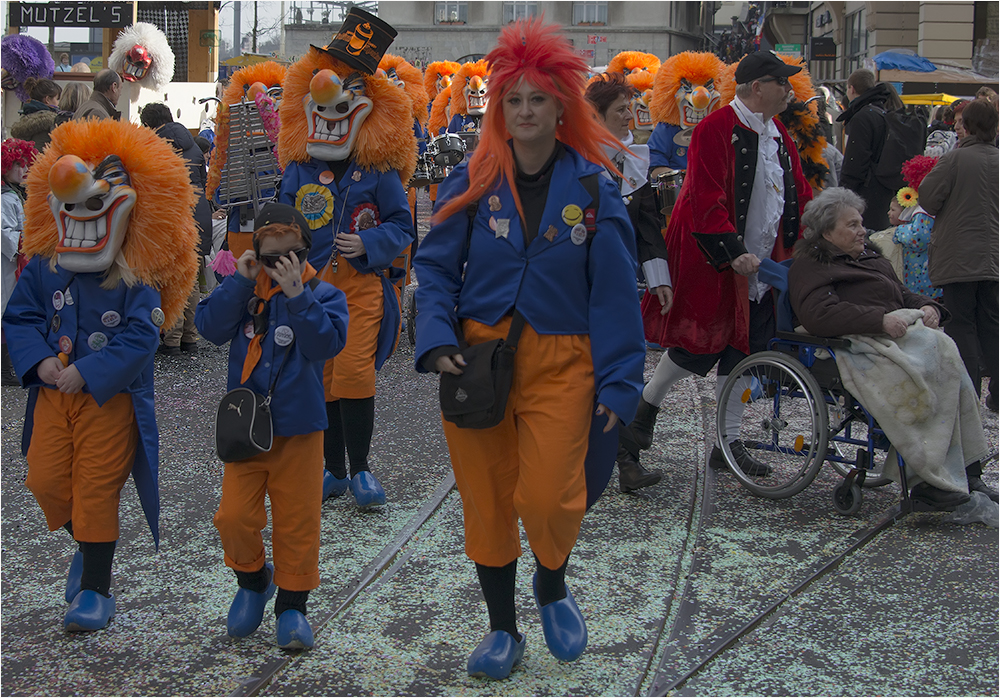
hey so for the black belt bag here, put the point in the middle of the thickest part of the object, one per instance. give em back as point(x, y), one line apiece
point(477, 399)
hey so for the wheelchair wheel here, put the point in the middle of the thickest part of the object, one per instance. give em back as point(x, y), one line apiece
point(783, 423)
point(847, 499)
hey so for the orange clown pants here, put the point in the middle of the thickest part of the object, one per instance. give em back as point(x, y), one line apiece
point(530, 466)
point(79, 459)
point(291, 474)
point(351, 374)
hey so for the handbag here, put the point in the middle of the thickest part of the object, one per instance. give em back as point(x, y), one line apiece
point(477, 399)
point(243, 427)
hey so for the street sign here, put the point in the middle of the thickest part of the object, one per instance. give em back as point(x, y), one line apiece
point(793, 50)
point(596, 39)
point(70, 14)
point(585, 53)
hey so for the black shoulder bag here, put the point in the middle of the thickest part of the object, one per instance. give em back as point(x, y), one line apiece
point(477, 399)
point(243, 427)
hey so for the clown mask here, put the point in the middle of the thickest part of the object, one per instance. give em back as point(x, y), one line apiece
point(92, 207)
point(395, 79)
point(443, 82)
point(641, 118)
point(695, 102)
point(137, 62)
point(475, 95)
point(335, 110)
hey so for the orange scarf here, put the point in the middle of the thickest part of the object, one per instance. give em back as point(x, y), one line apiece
point(264, 291)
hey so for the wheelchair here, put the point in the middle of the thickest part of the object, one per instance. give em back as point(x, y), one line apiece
point(793, 413)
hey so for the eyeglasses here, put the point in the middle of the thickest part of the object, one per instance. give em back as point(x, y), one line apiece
point(781, 81)
point(271, 260)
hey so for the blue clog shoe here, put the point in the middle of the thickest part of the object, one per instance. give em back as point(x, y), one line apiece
point(74, 576)
point(496, 655)
point(334, 486)
point(294, 632)
point(247, 609)
point(366, 490)
point(563, 626)
point(89, 611)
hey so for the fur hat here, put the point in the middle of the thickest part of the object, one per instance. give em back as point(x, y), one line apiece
point(25, 57)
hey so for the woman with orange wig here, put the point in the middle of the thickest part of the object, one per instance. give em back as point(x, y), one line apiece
point(545, 243)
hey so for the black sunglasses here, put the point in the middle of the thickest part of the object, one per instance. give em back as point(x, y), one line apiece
point(780, 81)
point(271, 260)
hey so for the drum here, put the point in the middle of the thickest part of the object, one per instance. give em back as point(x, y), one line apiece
point(471, 140)
point(668, 188)
point(422, 175)
point(439, 172)
point(447, 150)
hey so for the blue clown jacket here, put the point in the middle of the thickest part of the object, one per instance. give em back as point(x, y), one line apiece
point(114, 335)
point(362, 197)
point(663, 152)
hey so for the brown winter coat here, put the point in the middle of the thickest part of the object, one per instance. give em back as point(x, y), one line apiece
point(961, 192)
point(97, 107)
point(834, 294)
point(35, 127)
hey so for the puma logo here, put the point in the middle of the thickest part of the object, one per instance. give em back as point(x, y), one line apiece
point(238, 408)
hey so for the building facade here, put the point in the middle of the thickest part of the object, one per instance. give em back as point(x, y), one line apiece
point(454, 30)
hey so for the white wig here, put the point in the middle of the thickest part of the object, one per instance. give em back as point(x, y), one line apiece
point(155, 42)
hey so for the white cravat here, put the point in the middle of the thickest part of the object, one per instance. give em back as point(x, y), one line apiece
point(767, 198)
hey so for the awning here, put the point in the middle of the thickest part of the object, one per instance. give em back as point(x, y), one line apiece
point(937, 99)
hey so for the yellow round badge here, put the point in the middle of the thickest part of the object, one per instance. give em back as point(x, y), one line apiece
point(572, 215)
point(316, 204)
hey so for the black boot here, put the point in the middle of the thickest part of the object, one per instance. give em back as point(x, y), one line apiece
point(631, 474)
point(748, 464)
point(974, 473)
point(644, 423)
point(7, 374)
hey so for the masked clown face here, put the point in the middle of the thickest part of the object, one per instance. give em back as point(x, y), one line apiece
point(137, 63)
point(695, 102)
point(641, 118)
point(475, 95)
point(443, 82)
point(92, 206)
point(335, 110)
point(395, 79)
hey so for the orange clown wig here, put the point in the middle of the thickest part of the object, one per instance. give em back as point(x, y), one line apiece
point(439, 116)
point(467, 75)
point(385, 140)
point(159, 244)
point(261, 75)
point(436, 70)
point(413, 82)
point(539, 54)
point(801, 118)
point(630, 62)
point(697, 68)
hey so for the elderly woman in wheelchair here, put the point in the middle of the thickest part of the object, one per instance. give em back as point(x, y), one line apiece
point(909, 377)
point(866, 368)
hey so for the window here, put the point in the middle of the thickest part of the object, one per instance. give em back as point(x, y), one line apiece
point(590, 12)
point(856, 42)
point(451, 12)
point(519, 9)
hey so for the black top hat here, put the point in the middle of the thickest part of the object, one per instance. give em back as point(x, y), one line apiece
point(756, 65)
point(361, 42)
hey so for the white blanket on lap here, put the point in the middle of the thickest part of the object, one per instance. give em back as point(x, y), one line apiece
point(919, 392)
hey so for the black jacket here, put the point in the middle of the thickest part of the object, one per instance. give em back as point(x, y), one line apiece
point(866, 133)
point(183, 142)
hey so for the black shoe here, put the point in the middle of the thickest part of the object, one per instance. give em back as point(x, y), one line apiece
point(644, 423)
point(976, 484)
point(748, 464)
point(937, 498)
point(632, 476)
point(189, 347)
point(168, 351)
point(7, 374)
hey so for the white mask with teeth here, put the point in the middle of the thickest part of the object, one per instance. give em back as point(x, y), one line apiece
point(641, 116)
point(92, 207)
point(475, 95)
point(335, 110)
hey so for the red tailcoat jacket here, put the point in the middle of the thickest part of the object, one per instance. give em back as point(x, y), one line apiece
point(711, 308)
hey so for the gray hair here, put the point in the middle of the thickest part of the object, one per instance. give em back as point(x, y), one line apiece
point(743, 90)
point(822, 213)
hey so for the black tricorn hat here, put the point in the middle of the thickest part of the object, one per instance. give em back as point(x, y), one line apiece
point(361, 42)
